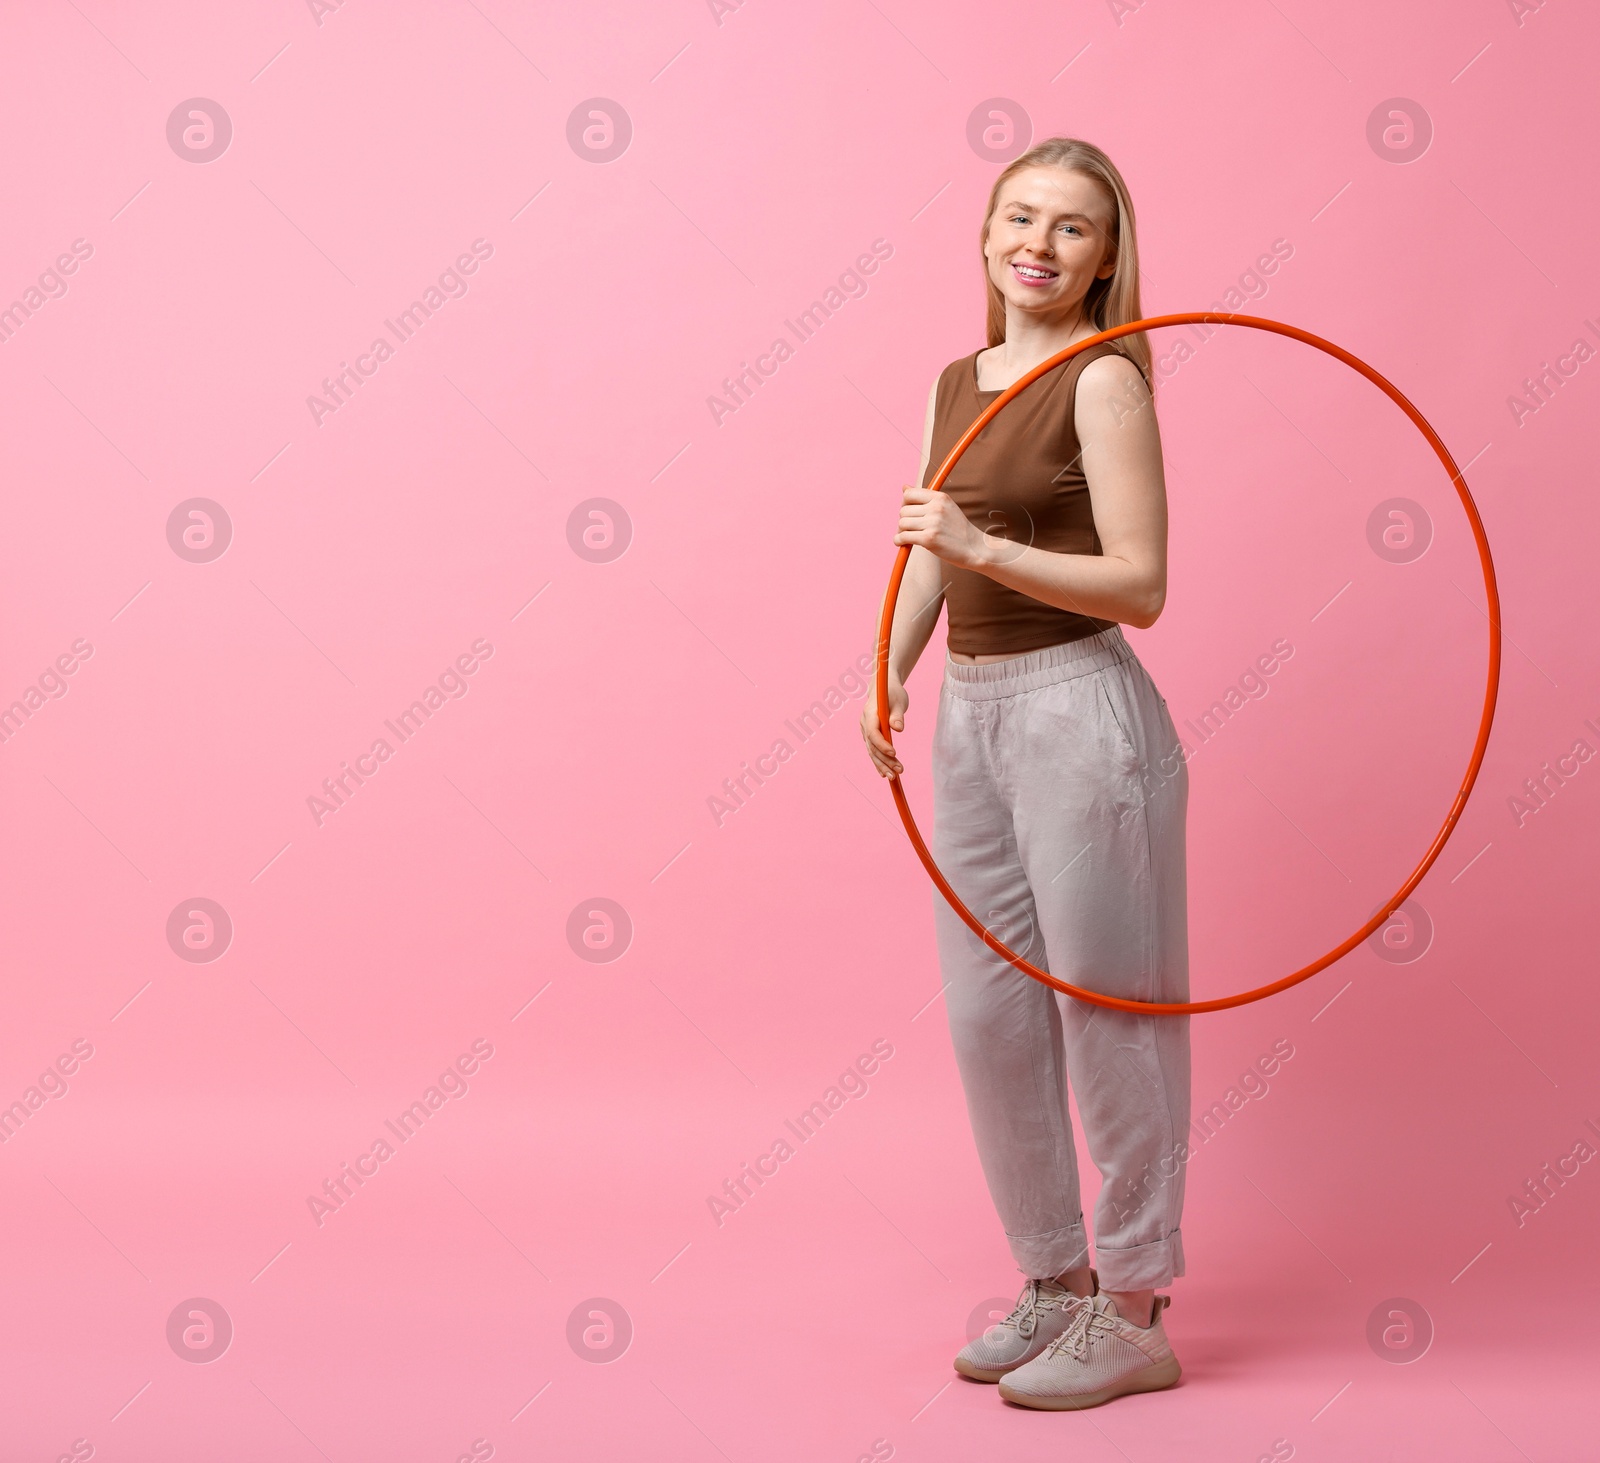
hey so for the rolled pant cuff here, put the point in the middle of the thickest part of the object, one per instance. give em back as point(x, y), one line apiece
point(1142, 1267)
point(1044, 1256)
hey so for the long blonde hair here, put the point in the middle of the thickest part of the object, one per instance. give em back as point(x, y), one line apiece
point(1112, 301)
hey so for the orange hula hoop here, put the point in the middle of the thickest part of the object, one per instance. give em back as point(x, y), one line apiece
point(1485, 722)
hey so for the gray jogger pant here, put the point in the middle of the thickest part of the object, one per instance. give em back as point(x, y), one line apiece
point(1060, 792)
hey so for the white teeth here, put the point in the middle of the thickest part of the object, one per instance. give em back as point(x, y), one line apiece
point(1033, 273)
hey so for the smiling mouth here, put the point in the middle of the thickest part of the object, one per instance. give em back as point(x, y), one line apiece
point(1029, 274)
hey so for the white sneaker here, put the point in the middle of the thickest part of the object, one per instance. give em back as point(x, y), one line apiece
point(1099, 1356)
point(1042, 1313)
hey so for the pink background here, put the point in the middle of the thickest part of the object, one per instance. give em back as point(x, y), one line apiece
point(771, 145)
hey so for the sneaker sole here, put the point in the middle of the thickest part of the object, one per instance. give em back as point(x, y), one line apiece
point(1151, 1379)
point(985, 1374)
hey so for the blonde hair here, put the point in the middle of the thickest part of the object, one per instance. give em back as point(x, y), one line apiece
point(1111, 301)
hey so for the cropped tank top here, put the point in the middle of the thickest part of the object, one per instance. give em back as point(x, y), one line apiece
point(1021, 480)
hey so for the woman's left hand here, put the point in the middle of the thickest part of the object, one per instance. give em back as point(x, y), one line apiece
point(934, 521)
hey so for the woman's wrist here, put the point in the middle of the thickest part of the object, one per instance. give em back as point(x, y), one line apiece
point(984, 553)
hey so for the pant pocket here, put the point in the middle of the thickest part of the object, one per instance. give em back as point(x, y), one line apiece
point(1117, 718)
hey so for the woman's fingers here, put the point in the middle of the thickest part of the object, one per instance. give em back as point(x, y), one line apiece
point(881, 751)
point(879, 747)
point(876, 740)
point(884, 760)
point(920, 518)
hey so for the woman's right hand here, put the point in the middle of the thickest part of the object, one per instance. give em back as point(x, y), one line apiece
point(882, 753)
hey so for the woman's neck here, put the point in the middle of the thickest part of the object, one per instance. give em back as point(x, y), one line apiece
point(1030, 340)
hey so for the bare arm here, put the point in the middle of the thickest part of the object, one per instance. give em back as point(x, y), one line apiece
point(1121, 445)
point(916, 612)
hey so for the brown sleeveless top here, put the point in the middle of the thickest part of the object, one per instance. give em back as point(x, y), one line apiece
point(1022, 480)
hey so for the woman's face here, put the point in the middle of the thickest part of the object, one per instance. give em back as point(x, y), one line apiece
point(1049, 239)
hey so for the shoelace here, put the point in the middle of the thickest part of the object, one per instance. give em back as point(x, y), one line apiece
point(1025, 1315)
point(1085, 1329)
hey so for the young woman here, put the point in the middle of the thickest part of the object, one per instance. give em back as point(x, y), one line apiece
point(1059, 785)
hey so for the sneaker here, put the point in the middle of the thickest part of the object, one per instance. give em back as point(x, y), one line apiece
point(1099, 1356)
point(1042, 1313)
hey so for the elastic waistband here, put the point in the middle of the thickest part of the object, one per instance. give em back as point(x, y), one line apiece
point(1038, 667)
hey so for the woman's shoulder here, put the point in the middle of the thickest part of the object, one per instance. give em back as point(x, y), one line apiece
point(1109, 388)
point(1107, 350)
point(963, 366)
point(954, 377)
point(1104, 369)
